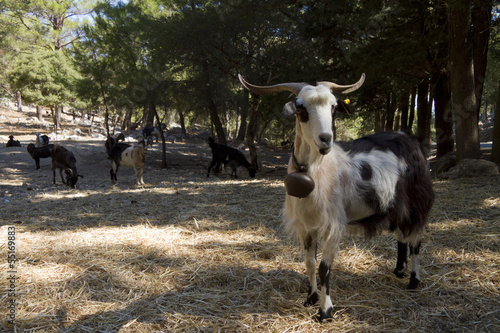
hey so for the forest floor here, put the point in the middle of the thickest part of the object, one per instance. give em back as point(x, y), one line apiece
point(187, 253)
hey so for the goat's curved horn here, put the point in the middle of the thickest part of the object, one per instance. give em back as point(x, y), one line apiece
point(293, 87)
point(344, 89)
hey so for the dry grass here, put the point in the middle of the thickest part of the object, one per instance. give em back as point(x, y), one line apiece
point(190, 254)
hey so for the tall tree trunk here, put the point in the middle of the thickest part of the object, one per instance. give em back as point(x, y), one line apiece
point(389, 122)
point(481, 27)
point(39, 113)
point(212, 107)
point(462, 80)
point(243, 124)
point(403, 108)
point(445, 138)
point(150, 115)
point(251, 130)
point(423, 125)
point(19, 101)
point(411, 117)
point(495, 156)
point(127, 121)
point(152, 109)
point(379, 120)
point(57, 117)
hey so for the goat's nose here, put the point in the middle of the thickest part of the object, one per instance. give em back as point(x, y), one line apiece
point(325, 139)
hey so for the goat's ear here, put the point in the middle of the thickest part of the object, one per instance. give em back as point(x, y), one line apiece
point(289, 109)
point(344, 106)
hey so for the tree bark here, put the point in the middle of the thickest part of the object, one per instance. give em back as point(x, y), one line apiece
point(481, 27)
point(19, 101)
point(390, 110)
point(57, 117)
point(445, 139)
point(403, 108)
point(152, 109)
point(251, 130)
point(411, 117)
point(423, 124)
point(39, 113)
point(462, 80)
point(243, 124)
point(212, 107)
point(495, 154)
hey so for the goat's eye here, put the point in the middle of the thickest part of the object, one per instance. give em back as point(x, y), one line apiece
point(302, 113)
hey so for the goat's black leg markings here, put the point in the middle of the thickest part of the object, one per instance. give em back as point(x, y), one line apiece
point(402, 260)
point(326, 309)
point(310, 246)
point(415, 266)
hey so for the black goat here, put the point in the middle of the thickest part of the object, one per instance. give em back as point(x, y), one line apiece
point(39, 152)
point(149, 132)
point(12, 142)
point(223, 154)
point(110, 141)
point(65, 161)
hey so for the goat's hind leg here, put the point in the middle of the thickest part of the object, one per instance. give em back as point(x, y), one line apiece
point(399, 271)
point(402, 260)
point(415, 265)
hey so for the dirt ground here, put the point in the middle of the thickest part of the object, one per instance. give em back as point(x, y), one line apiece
point(187, 253)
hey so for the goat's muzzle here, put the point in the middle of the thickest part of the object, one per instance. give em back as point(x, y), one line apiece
point(325, 143)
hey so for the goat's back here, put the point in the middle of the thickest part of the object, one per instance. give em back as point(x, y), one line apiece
point(115, 152)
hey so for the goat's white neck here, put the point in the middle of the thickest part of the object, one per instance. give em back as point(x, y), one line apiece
point(303, 152)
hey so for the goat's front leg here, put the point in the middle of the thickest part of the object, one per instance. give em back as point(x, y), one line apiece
point(141, 172)
point(62, 178)
point(330, 247)
point(210, 167)
point(310, 246)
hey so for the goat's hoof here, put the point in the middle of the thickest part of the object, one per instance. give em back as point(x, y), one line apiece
point(311, 299)
point(414, 282)
point(399, 273)
point(325, 315)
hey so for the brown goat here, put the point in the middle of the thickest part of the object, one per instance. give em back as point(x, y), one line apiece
point(65, 161)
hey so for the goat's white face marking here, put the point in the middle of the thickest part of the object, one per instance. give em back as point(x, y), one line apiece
point(317, 130)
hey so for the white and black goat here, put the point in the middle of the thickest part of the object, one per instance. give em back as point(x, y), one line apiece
point(65, 161)
point(39, 152)
point(122, 154)
point(41, 140)
point(377, 182)
point(222, 154)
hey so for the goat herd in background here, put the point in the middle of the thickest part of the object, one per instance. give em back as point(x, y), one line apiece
point(377, 182)
point(125, 155)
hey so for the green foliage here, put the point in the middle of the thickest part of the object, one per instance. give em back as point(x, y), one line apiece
point(184, 55)
point(45, 78)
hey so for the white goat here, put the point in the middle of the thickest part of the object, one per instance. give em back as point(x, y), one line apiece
point(377, 182)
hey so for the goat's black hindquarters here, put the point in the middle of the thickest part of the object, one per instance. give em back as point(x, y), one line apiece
point(401, 263)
